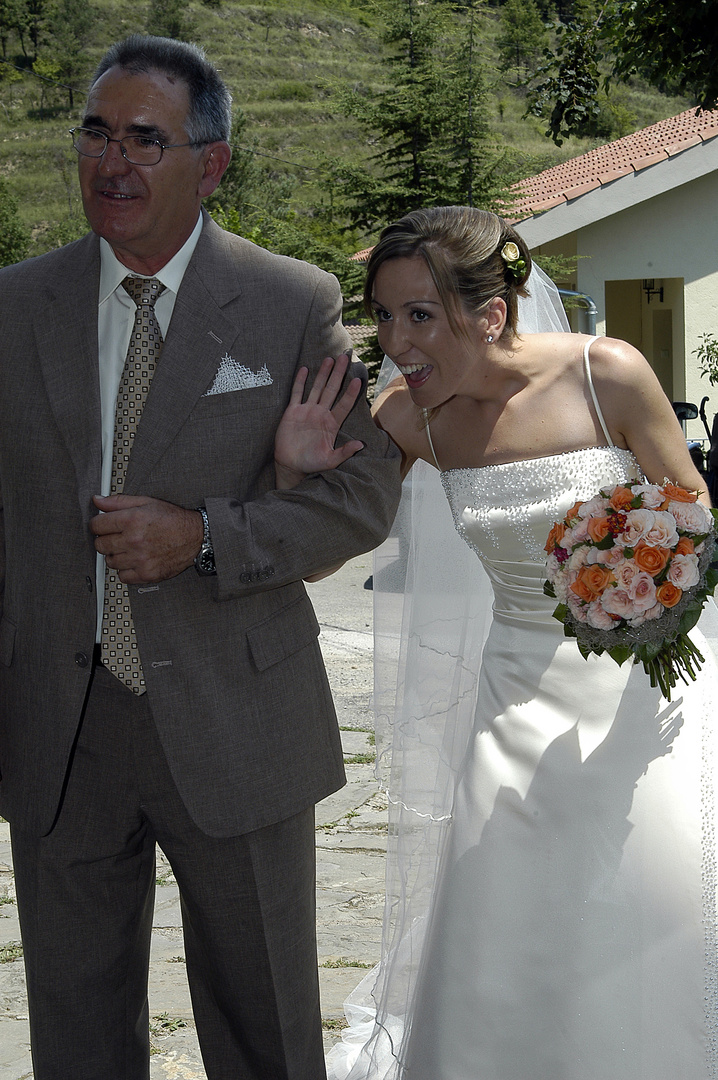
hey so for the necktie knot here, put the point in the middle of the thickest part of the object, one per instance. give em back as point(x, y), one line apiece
point(144, 291)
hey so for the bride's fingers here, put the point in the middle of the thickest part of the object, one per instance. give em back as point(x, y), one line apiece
point(321, 380)
point(347, 401)
point(334, 382)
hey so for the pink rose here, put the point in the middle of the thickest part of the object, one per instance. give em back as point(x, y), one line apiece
point(642, 591)
point(598, 617)
point(651, 496)
point(607, 557)
point(625, 572)
point(578, 559)
point(593, 506)
point(683, 571)
point(663, 532)
point(691, 517)
point(653, 613)
point(638, 524)
point(618, 602)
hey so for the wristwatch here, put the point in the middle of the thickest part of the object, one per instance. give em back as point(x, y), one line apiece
point(204, 562)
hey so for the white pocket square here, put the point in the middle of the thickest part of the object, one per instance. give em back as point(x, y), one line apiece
point(232, 375)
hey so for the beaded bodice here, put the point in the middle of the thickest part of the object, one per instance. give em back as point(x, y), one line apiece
point(504, 512)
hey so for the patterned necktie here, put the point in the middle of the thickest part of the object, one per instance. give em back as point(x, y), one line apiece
point(119, 645)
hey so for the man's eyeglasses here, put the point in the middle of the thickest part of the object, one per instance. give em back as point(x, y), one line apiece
point(136, 149)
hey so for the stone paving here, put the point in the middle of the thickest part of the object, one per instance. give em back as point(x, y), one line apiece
point(351, 842)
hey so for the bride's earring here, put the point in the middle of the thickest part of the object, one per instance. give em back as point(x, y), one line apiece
point(489, 339)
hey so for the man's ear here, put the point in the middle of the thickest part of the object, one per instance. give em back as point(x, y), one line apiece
point(216, 159)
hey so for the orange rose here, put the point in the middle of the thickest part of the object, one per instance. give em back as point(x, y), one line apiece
point(622, 499)
point(592, 581)
point(650, 559)
point(685, 546)
point(668, 594)
point(679, 494)
point(598, 528)
point(555, 537)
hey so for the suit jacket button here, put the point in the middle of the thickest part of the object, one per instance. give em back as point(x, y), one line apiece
point(245, 577)
point(88, 582)
point(81, 659)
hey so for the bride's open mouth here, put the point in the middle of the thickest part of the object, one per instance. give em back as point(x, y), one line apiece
point(416, 374)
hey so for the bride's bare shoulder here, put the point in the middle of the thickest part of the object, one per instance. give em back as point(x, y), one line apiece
point(395, 412)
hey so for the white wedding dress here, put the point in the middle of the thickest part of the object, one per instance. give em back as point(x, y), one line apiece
point(567, 929)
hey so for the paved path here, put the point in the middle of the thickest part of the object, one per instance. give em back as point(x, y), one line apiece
point(351, 832)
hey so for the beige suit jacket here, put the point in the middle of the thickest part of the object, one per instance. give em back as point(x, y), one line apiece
point(233, 669)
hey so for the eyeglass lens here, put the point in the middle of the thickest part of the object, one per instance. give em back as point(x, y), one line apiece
point(137, 149)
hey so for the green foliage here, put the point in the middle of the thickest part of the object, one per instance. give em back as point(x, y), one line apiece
point(568, 84)
point(523, 36)
point(169, 18)
point(428, 128)
point(69, 24)
point(707, 353)
point(671, 43)
point(14, 238)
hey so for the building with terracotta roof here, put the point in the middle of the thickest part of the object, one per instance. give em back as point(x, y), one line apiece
point(640, 214)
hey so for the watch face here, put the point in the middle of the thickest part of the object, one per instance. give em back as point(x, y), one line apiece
point(205, 561)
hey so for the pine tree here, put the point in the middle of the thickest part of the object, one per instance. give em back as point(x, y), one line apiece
point(523, 36)
point(428, 123)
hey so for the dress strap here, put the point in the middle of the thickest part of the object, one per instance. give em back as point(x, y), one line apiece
point(426, 417)
point(597, 407)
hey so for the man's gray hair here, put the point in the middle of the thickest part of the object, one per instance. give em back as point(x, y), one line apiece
point(210, 103)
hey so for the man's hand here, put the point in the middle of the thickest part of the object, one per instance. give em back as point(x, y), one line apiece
point(145, 539)
point(304, 442)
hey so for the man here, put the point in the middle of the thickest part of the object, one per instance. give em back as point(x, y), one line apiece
point(169, 688)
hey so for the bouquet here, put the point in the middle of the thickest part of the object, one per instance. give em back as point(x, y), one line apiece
point(631, 569)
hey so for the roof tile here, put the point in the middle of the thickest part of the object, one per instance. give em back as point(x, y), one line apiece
point(635, 152)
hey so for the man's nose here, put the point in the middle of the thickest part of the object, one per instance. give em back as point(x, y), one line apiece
point(112, 162)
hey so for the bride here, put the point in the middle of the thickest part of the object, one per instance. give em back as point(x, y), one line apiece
point(551, 910)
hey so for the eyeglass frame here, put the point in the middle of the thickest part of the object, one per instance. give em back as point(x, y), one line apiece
point(108, 140)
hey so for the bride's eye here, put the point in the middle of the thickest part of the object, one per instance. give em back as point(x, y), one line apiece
point(418, 315)
point(381, 315)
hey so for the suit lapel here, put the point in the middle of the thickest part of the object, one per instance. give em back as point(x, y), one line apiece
point(66, 336)
point(198, 336)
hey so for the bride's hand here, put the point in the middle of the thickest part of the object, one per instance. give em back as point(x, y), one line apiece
point(304, 442)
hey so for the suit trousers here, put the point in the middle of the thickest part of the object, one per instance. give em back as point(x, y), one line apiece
point(86, 896)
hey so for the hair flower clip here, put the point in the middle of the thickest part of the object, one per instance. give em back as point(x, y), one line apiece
point(512, 257)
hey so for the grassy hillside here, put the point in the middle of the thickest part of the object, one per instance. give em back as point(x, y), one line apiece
point(280, 60)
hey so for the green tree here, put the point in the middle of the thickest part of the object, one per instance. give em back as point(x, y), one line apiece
point(523, 36)
point(433, 143)
point(169, 18)
point(673, 44)
point(69, 24)
point(242, 179)
point(14, 237)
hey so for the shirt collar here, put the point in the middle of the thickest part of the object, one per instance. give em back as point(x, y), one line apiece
point(113, 272)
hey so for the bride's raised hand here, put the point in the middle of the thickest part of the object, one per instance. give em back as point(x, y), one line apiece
point(307, 432)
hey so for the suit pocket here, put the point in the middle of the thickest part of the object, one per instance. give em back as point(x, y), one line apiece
point(283, 634)
point(7, 641)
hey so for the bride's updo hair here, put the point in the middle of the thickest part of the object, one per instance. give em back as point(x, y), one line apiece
point(462, 247)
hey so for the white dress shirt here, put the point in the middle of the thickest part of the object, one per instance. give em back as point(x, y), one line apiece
point(115, 320)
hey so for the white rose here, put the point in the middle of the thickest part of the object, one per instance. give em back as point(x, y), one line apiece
point(578, 559)
point(510, 252)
